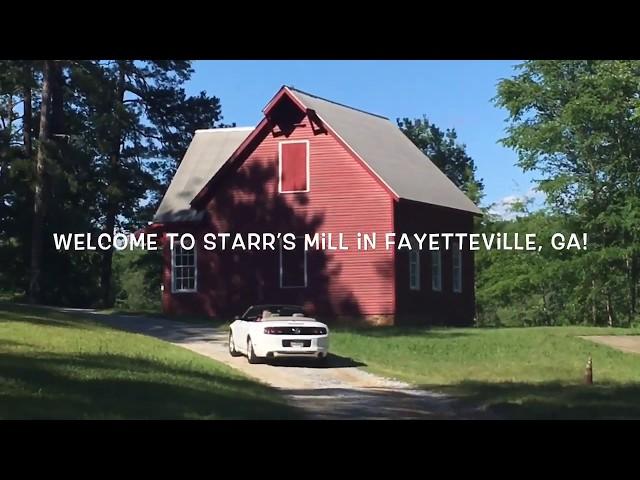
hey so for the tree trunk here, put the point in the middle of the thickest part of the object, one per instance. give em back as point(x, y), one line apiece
point(39, 191)
point(610, 316)
point(107, 258)
point(112, 206)
point(10, 119)
point(27, 119)
point(57, 103)
point(633, 286)
point(594, 306)
point(545, 309)
point(5, 143)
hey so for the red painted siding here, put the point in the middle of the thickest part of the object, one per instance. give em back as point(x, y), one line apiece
point(425, 305)
point(343, 197)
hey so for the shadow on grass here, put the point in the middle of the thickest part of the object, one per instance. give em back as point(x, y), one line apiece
point(40, 315)
point(186, 319)
point(4, 343)
point(85, 318)
point(196, 320)
point(550, 400)
point(117, 386)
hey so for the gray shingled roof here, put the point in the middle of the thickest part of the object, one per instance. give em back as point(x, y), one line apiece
point(389, 153)
point(375, 139)
point(208, 151)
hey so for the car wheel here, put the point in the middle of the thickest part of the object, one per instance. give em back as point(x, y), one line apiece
point(251, 355)
point(232, 346)
point(323, 359)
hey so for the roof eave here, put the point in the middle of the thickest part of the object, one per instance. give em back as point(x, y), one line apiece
point(475, 211)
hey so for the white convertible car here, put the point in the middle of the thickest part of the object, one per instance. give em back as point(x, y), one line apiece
point(272, 331)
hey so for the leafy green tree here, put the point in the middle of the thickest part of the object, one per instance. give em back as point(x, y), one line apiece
point(141, 122)
point(527, 287)
point(576, 123)
point(10, 155)
point(137, 280)
point(449, 155)
point(114, 132)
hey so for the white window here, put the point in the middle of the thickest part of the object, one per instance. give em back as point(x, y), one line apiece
point(293, 265)
point(414, 268)
point(436, 270)
point(293, 166)
point(457, 268)
point(184, 269)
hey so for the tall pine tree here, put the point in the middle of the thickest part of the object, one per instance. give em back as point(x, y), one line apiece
point(141, 121)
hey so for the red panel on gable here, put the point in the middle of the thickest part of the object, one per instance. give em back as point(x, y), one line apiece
point(293, 167)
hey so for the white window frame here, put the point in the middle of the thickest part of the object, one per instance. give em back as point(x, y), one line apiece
point(456, 256)
point(305, 267)
point(280, 167)
point(414, 262)
point(436, 286)
point(176, 246)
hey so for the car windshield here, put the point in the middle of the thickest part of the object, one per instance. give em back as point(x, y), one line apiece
point(255, 311)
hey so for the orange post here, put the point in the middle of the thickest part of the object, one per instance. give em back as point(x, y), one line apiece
point(588, 374)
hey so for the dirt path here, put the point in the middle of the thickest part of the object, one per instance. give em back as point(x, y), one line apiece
point(339, 390)
point(625, 343)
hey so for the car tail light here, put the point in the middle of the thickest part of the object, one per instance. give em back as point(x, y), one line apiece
point(318, 331)
point(295, 331)
point(276, 331)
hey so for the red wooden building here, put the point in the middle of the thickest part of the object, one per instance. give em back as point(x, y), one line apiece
point(313, 165)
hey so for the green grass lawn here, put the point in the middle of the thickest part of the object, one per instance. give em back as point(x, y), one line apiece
point(514, 372)
point(59, 366)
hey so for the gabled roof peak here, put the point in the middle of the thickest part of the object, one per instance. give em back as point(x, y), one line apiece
point(378, 143)
point(388, 153)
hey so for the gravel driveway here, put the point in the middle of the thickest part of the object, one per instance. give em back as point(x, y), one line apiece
point(624, 343)
point(339, 390)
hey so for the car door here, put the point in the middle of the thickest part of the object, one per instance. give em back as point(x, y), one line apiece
point(240, 335)
point(249, 326)
point(246, 323)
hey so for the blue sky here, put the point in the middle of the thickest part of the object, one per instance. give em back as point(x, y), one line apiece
point(451, 93)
